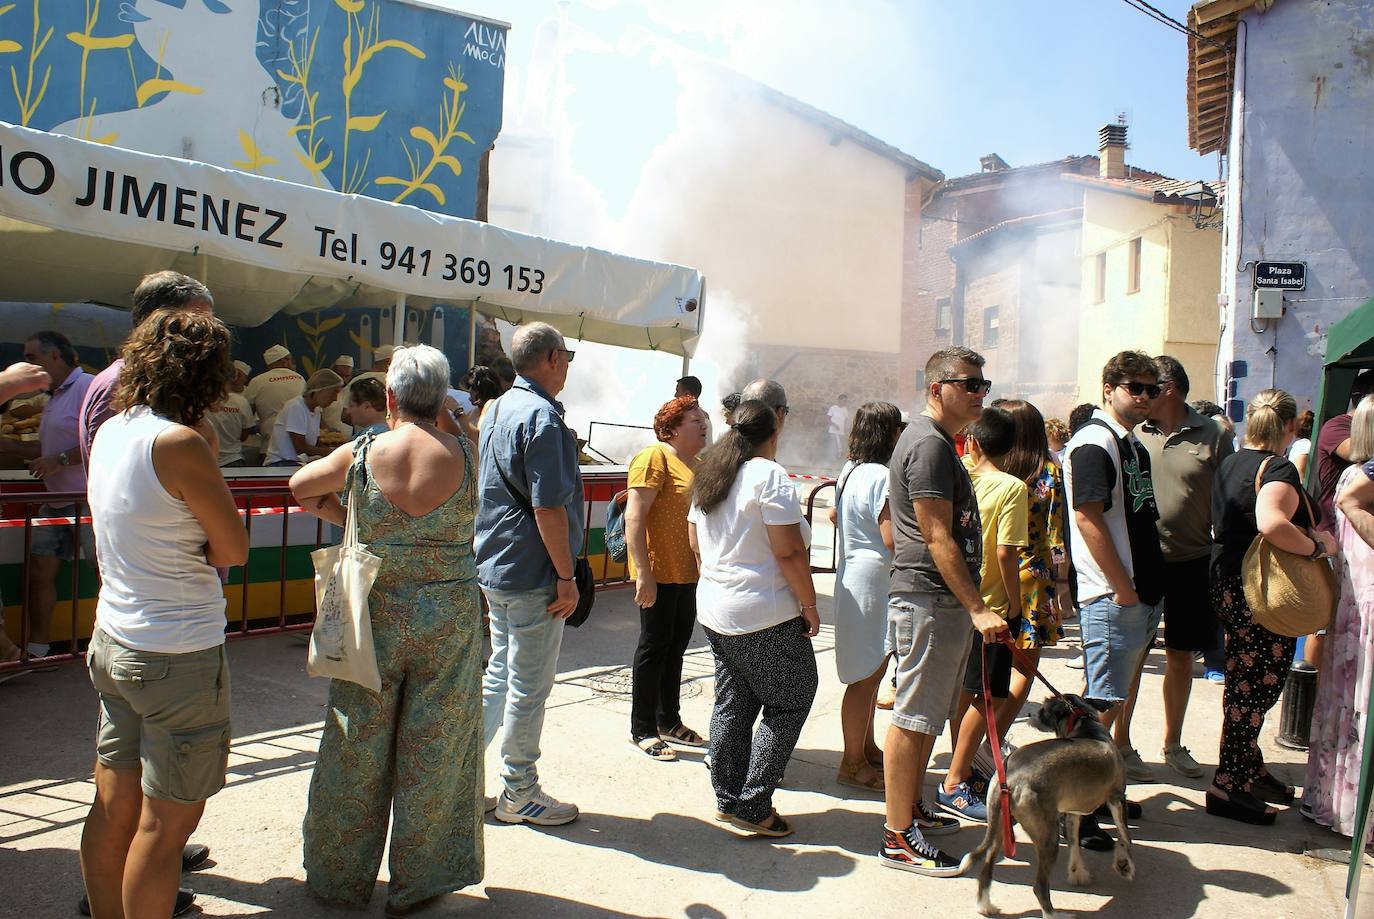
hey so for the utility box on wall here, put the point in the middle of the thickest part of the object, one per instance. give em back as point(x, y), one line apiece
point(1268, 304)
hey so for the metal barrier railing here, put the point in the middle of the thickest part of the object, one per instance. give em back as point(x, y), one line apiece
point(810, 521)
point(21, 509)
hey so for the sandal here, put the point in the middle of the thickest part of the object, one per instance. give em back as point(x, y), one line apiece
point(773, 825)
point(683, 735)
point(849, 775)
point(1269, 789)
point(1242, 806)
point(655, 749)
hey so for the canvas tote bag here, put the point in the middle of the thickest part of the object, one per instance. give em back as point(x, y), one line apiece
point(1288, 594)
point(341, 643)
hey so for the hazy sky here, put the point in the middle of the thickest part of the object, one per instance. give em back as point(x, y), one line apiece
point(944, 81)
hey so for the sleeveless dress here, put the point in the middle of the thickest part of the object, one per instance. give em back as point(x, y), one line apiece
point(412, 752)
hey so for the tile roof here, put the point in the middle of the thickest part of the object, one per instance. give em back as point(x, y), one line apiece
point(1027, 222)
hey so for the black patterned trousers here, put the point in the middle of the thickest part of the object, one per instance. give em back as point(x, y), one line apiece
point(1257, 661)
point(770, 672)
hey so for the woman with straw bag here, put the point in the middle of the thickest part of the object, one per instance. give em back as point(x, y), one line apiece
point(1258, 494)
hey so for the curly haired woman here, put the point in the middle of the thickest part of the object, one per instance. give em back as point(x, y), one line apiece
point(163, 519)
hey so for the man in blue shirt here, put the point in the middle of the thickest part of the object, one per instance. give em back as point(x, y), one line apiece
point(529, 532)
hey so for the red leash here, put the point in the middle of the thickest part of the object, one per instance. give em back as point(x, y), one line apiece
point(995, 741)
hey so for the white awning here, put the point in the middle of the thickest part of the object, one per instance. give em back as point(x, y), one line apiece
point(80, 222)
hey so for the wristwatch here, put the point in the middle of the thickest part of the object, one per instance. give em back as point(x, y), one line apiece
point(62, 459)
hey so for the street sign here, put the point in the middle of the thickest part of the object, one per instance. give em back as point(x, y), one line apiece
point(1282, 275)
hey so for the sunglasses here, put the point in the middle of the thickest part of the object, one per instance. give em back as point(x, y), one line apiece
point(972, 385)
point(565, 351)
point(1136, 388)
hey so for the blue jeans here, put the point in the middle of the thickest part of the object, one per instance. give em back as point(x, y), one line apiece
point(1115, 641)
point(525, 641)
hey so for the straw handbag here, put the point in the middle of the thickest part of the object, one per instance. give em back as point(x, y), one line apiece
point(341, 642)
point(1288, 594)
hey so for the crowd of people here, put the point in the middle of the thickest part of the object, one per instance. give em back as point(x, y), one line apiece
point(962, 530)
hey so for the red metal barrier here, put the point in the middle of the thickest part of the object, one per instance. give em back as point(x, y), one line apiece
point(254, 499)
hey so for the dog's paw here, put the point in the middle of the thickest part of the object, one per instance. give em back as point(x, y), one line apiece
point(986, 908)
point(1126, 868)
point(1057, 914)
point(1080, 876)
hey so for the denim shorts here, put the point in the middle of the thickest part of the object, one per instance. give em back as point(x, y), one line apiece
point(928, 636)
point(1115, 640)
point(59, 541)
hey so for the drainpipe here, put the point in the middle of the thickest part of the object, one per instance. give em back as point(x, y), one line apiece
point(1231, 261)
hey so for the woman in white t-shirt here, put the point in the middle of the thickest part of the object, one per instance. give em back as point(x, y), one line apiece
point(163, 518)
point(757, 606)
point(863, 529)
point(1301, 450)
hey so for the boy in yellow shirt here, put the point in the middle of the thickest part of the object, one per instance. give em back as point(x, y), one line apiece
point(1003, 506)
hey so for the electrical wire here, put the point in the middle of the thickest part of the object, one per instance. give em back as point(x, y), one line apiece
point(1165, 19)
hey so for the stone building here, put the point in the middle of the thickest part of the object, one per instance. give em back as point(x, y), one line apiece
point(1281, 90)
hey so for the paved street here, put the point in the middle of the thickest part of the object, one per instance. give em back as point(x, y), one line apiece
point(646, 844)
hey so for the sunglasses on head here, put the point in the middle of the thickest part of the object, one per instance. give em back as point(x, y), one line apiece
point(972, 385)
point(1136, 388)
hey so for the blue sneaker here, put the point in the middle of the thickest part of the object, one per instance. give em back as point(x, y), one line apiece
point(1214, 676)
point(962, 802)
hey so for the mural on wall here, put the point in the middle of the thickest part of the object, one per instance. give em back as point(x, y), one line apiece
point(382, 98)
point(374, 97)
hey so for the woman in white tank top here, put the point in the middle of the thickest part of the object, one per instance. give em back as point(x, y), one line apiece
point(163, 519)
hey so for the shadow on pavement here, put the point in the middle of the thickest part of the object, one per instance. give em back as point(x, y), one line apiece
point(707, 847)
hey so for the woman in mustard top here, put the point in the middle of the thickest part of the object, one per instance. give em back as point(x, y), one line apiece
point(665, 573)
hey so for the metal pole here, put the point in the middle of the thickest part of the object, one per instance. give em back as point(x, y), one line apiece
point(472, 334)
point(399, 319)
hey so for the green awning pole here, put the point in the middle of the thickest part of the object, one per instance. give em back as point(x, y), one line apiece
point(1352, 877)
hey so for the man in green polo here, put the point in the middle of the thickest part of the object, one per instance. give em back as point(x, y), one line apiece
point(1185, 450)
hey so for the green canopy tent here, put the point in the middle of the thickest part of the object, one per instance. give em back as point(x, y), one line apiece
point(1349, 349)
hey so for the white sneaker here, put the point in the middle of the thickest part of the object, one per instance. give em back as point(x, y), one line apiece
point(1136, 770)
point(538, 808)
point(1181, 761)
point(1075, 662)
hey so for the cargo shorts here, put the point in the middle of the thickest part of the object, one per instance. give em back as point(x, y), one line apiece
point(929, 636)
point(166, 713)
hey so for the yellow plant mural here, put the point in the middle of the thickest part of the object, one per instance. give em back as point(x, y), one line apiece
point(364, 37)
point(158, 84)
point(88, 42)
point(8, 45)
point(254, 159)
point(450, 115)
point(301, 63)
point(315, 332)
point(29, 100)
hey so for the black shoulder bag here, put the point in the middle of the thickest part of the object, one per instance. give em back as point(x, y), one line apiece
point(582, 569)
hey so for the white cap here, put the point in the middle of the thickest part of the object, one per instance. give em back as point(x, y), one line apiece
point(274, 354)
point(343, 360)
point(243, 367)
point(383, 352)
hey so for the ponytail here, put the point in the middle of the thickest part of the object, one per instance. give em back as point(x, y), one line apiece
point(755, 423)
point(1267, 418)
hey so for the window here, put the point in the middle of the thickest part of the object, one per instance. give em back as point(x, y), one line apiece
point(991, 324)
point(944, 316)
point(1101, 280)
point(1133, 267)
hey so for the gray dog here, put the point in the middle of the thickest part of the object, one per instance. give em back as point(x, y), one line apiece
point(1074, 774)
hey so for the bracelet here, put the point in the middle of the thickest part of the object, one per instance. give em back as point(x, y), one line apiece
point(1318, 550)
point(807, 606)
point(561, 578)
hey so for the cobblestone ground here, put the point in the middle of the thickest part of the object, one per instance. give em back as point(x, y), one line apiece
point(646, 844)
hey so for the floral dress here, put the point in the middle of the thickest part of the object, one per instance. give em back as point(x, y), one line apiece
point(1336, 750)
point(1044, 552)
point(413, 752)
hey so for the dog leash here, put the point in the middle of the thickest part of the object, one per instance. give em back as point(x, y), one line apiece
point(995, 743)
point(994, 738)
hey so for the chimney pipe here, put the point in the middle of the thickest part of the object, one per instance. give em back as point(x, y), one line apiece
point(1111, 149)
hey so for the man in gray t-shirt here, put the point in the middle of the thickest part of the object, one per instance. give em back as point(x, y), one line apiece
point(934, 604)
